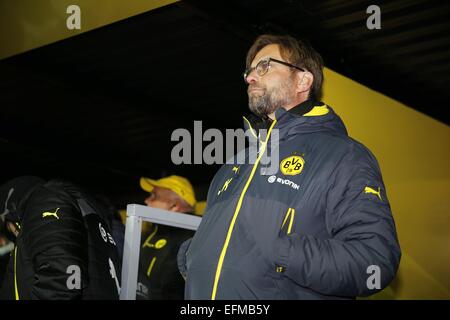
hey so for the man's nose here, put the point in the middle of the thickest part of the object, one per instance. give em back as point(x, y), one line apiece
point(252, 77)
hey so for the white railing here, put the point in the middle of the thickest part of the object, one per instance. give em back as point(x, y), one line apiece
point(132, 244)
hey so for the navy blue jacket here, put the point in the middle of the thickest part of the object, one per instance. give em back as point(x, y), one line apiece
point(314, 229)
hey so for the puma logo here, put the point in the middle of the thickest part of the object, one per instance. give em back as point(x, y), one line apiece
point(370, 190)
point(50, 214)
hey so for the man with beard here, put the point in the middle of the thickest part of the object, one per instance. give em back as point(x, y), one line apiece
point(321, 226)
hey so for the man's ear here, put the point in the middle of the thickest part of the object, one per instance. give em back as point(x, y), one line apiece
point(180, 206)
point(175, 207)
point(305, 81)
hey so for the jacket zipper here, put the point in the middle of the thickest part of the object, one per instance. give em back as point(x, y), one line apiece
point(290, 216)
point(16, 290)
point(236, 212)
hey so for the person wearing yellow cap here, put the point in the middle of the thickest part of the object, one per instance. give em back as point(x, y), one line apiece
point(158, 277)
point(173, 193)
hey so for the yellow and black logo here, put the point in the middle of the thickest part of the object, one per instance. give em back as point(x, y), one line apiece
point(225, 186)
point(292, 165)
point(368, 189)
point(160, 243)
point(51, 214)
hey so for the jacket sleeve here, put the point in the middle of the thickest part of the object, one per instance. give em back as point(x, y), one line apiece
point(210, 198)
point(181, 257)
point(57, 246)
point(363, 241)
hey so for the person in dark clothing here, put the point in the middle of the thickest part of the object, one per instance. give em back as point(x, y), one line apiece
point(158, 276)
point(114, 221)
point(63, 246)
point(320, 225)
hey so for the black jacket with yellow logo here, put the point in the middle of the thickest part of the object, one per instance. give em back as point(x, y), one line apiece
point(64, 249)
point(158, 277)
point(317, 227)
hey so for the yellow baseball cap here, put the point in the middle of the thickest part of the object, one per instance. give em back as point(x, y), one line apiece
point(199, 208)
point(181, 186)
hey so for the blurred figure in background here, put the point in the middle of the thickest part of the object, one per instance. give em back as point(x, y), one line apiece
point(63, 246)
point(158, 277)
point(114, 221)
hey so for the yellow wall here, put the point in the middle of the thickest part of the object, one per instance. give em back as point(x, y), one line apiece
point(28, 24)
point(414, 156)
